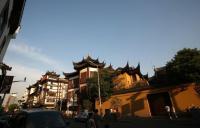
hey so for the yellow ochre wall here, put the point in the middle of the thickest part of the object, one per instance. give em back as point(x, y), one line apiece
point(136, 103)
point(185, 97)
point(123, 81)
point(126, 81)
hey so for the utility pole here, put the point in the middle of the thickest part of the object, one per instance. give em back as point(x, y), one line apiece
point(60, 95)
point(99, 90)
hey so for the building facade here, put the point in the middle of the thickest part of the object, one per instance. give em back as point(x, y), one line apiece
point(77, 81)
point(151, 101)
point(129, 77)
point(10, 17)
point(50, 91)
point(148, 97)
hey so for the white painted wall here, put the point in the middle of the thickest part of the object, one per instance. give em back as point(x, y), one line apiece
point(83, 70)
point(93, 69)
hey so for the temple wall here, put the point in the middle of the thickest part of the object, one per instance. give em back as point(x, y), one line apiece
point(183, 98)
point(137, 103)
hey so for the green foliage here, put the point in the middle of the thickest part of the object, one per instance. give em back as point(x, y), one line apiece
point(1, 108)
point(185, 66)
point(106, 84)
point(12, 107)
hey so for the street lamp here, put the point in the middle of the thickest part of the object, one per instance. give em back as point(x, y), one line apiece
point(20, 80)
point(99, 89)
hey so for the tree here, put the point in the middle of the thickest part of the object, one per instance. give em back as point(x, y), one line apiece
point(185, 66)
point(106, 85)
point(12, 107)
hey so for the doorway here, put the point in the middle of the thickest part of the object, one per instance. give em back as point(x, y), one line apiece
point(157, 103)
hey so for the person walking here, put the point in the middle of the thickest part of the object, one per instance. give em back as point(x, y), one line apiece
point(174, 112)
point(90, 122)
point(167, 108)
point(107, 118)
point(97, 118)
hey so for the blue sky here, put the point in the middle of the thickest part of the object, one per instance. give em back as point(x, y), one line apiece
point(55, 33)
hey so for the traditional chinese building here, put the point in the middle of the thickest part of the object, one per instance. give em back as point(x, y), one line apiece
point(48, 91)
point(32, 94)
point(150, 98)
point(129, 77)
point(77, 80)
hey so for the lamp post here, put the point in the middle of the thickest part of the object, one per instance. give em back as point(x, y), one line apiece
point(99, 89)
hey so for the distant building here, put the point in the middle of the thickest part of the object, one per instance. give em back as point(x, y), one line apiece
point(33, 93)
point(47, 91)
point(12, 99)
point(10, 17)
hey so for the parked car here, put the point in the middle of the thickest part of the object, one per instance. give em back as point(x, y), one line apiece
point(38, 119)
point(4, 119)
point(4, 124)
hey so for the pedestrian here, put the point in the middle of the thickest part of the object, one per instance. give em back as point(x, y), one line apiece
point(90, 122)
point(118, 115)
point(167, 108)
point(97, 118)
point(107, 118)
point(174, 112)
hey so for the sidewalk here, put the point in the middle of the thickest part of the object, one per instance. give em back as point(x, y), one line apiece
point(160, 122)
point(136, 122)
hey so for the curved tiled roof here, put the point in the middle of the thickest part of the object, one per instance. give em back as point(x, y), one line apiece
point(88, 62)
point(72, 74)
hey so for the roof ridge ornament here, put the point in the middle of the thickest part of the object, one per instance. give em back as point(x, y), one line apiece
point(138, 66)
point(127, 65)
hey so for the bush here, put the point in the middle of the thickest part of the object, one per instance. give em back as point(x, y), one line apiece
point(13, 107)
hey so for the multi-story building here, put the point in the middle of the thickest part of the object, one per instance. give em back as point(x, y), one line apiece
point(32, 94)
point(48, 91)
point(12, 99)
point(77, 80)
point(10, 18)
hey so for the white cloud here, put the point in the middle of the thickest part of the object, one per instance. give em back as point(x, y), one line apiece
point(21, 71)
point(31, 72)
point(35, 54)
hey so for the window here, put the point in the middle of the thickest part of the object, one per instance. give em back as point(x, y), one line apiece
point(76, 83)
point(92, 73)
point(83, 77)
point(3, 18)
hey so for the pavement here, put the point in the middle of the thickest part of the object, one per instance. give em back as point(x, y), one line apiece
point(146, 123)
